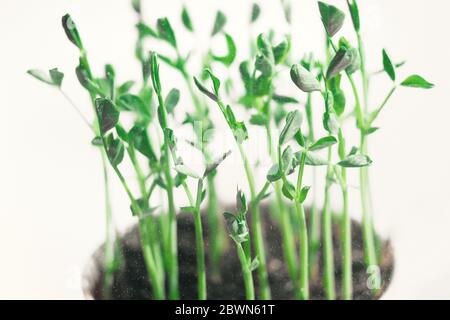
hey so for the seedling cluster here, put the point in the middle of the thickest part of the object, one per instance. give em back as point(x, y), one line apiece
point(149, 145)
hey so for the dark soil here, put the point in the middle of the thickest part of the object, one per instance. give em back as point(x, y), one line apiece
point(131, 282)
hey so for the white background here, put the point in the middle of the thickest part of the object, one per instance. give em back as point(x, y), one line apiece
point(51, 192)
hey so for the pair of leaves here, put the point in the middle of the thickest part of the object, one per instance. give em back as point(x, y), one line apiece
point(237, 227)
point(304, 79)
point(355, 161)
point(54, 76)
point(344, 59)
point(213, 95)
point(414, 81)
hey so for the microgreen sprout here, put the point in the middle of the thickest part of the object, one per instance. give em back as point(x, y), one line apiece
point(240, 233)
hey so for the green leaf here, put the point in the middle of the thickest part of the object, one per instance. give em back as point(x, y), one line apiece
point(154, 66)
point(312, 159)
point(284, 99)
point(145, 31)
point(354, 12)
point(125, 87)
point(205, 91)
point(332, 18)
point(189, 209)
point(56, 76)
point(258, 119)
point(71, 31)
point(370, 130)
point(343, 59)
point(241, 202)
point(292, 126)
point(136, 4)
point(115, 150)
point(416, 81)
point(130, 102)
point(41, 76)
point(179, 179)
point(227, 59)
point(211, 167)
point(97, 141)
point(256, 11)
point(281, 51)
point(304, 79)
point(388, 66)
point(304, 193)
point(165, 31)
point(274, 173)
point(215, 81)
point(139, 139)
point(108, 114)
point(254, 265)
point(121, 132)
point(355, 161)
point(186, 19)
point(355, 61)
point(183, 169)
point(288, 190)
point(172, 99)
point(219, 23)
point(330, 122)
point(265, 47)
point(322, 143)
point(286, 160)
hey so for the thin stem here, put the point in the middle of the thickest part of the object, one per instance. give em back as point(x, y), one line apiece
point(257, 230)
point(284, 216)
point(328, 248)
point(315, 216)
point(200, 246)
point(172, 219)
point(377, 111)
point(367, 223)
point(246, 273)
point(303, 281)
point(77, 110)
point(362, 66)
point(347, 285)
point(110, 252)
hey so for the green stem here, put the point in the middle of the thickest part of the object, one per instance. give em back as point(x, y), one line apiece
point(303, 281)
point(284, 216)
point(315, 216)
point(362, 66)
point(347, 285)
point(257, 230)
point(172, 219)
point(110, 252)
point(246, 273)
point(200, 246)
point(367, 223)
point(328, 248)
